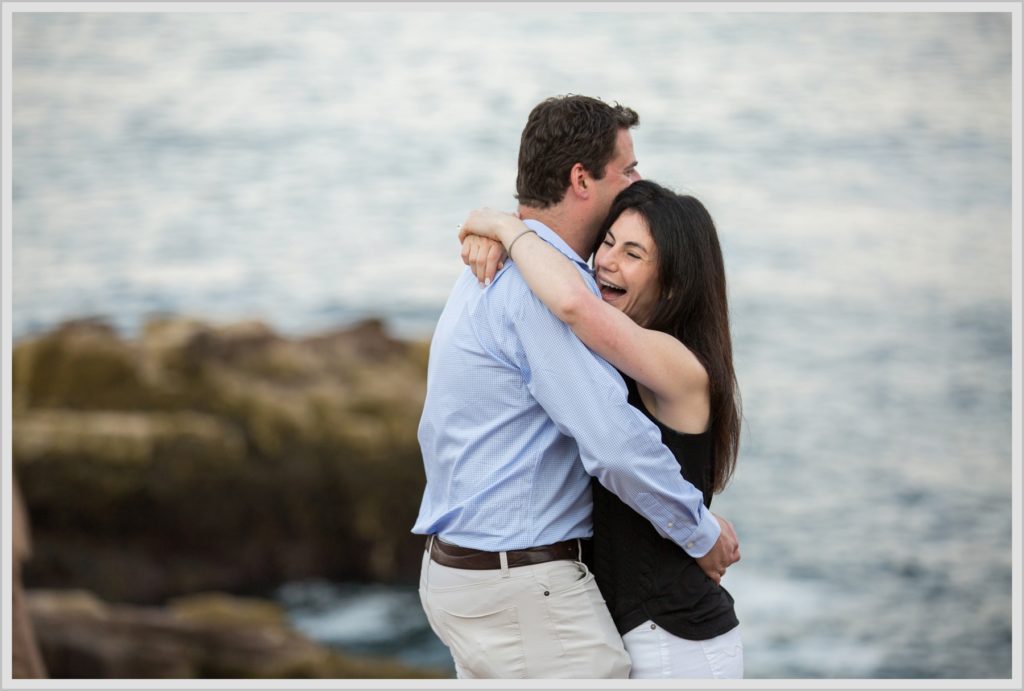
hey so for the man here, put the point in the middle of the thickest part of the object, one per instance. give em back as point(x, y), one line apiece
point(518, 415)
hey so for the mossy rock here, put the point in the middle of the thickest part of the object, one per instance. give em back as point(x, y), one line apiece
point(81, 365)
point(225, 457)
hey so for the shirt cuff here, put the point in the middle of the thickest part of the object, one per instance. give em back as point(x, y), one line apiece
point(700, 541)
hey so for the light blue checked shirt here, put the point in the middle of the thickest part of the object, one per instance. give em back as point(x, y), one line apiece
point(519, 413)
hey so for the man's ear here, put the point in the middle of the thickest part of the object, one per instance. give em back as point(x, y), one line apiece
point(579, 181)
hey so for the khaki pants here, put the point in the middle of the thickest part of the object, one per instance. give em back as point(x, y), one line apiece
point(527, 622)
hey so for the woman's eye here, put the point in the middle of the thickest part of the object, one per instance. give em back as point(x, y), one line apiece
point(634, 256)
point(607, 243)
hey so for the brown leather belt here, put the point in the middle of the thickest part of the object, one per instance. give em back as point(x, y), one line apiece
point(447, 554)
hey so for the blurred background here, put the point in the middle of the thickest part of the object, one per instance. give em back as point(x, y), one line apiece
point(233, 233)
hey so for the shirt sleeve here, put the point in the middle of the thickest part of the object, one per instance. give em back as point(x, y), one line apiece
point(585, 397)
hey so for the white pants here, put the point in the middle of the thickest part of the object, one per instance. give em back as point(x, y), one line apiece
point(527, 622)
point(657, 654)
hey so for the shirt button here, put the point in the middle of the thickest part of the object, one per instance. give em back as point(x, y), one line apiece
point(689, 545)
point(670, 524)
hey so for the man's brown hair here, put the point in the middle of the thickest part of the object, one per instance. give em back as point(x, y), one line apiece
point(561, 132)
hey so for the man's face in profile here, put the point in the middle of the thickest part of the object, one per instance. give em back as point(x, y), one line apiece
point(619, 173)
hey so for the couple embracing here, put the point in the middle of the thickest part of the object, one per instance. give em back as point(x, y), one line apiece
point(578, 422)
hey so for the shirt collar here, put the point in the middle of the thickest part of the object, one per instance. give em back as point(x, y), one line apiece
point(555, 239)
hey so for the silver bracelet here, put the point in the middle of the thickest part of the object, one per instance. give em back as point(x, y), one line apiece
point(516, 239)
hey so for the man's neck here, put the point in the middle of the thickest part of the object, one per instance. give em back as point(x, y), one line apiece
point(572, 230)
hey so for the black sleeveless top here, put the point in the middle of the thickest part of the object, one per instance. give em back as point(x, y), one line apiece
point(645, 576)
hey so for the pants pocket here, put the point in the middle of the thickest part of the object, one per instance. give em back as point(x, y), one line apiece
point(591, 645)
point(725, 655)
point(563, 576)
point(487, 645)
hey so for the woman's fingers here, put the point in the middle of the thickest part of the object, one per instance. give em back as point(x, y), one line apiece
point(495, 259)
point(470, 250)
point(476, 257)
point(484, 257)
point(481, 251)
point(481, 261)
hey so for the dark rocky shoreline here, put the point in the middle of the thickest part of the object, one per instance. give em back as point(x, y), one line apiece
point(203, 636)
point(205, 458)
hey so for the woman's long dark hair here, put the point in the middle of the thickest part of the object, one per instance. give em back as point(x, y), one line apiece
point(693, 305)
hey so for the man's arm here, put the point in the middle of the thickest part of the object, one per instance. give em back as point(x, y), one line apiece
point(618, 444)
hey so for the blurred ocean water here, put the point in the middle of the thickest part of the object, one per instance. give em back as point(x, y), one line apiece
point(309, 168)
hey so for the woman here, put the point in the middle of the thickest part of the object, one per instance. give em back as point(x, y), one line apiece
point(662, 321)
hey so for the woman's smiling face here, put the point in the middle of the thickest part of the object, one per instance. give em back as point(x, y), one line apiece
point(627, 267)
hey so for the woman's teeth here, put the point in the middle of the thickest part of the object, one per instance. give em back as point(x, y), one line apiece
point(610, 289)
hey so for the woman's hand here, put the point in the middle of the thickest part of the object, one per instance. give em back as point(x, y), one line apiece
point(483, 256)
point(482, 236)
